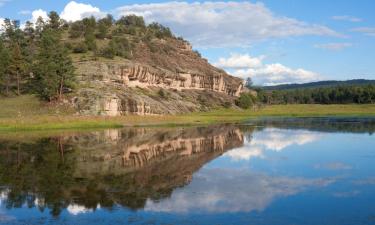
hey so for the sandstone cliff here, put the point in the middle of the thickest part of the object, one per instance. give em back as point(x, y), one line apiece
point(178, 81)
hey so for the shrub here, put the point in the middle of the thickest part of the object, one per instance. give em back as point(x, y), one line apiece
point(227, 105)
point(245, 101)
point(162, 94)
point(131, 20)
point(80, 48)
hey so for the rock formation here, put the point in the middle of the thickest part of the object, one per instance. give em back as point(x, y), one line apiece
point(178, 81)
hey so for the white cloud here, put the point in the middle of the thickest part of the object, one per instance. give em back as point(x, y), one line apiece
point(74, 11)
point(238, 61)
point(1, 23)
point(347, 18)
point(38, 13)
point(333, 46)
point(212, 24)
point(369, 31)
point(264, 74)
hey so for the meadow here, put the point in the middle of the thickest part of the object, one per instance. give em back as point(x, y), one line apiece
point(27, 113)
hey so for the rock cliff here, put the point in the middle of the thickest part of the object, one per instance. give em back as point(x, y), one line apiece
point(179, 81)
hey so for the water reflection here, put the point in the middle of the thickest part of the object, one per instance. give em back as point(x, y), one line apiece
point(161, 173)
point(231, 190)
point(271, 139)
point(101, 169)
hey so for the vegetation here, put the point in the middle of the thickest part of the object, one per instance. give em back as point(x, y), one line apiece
point(34, 60)
point(360, 94)
point(35, 115)
point(320, 84)
point(37, 59)
point(245, 100)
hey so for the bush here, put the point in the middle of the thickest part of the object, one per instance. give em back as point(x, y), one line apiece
point(108, 52)
point(245, 101)
point(131, 20)
point(162, 94)
point(227, 105)
point(80, 48)
point(159, 30)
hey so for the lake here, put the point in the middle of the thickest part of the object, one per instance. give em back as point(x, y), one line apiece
point(266, 171)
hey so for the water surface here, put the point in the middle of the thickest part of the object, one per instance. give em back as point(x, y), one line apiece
point(269, 171)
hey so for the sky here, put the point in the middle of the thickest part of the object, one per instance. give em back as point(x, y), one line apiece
point(271, 41)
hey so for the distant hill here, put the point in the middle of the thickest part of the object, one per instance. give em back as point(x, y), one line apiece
point(319, 84)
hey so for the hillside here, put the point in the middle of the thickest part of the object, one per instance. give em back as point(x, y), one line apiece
point(319, 84)
point(137, 69)
point(111, 67)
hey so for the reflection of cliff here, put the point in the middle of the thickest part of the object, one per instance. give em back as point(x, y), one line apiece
point(118, 151)
point(124, 167)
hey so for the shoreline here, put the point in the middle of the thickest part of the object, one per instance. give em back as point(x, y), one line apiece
point(74, 122)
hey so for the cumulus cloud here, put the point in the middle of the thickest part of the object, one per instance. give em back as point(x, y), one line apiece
point(264, 74)
point(74, 11)
point(334, 46)
point(212, 190)
point(347, 18)
point(238, 61)
point(369, 31)
point(38, 13)
point(1, 23)
point(212, 24)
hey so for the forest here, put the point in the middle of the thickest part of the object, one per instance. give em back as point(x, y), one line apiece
point(37, 58)
point(342, 94)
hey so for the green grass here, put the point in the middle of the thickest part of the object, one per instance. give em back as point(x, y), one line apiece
point(26, 113)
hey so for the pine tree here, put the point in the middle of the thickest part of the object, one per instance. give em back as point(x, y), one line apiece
point(17, 66)
point(4, 66)
point(54, 71)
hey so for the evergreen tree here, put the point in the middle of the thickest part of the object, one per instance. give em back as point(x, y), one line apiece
point(4, 66)
point(17, 66)
point(54, 71)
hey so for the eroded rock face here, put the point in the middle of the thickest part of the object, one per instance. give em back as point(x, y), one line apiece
point(131, 88)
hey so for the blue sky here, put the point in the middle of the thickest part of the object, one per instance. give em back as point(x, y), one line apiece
point(271, 41)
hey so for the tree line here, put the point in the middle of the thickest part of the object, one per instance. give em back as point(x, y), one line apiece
point(34, 59)
point(358, 94)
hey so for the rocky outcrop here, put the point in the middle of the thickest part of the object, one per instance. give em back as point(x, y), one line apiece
point(174, 79)
point(120, 88)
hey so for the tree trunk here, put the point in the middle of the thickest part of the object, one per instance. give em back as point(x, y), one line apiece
point(18, 83)
point(7, 85)
point(61, 88)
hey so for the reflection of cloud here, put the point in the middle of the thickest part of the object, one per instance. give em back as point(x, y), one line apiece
point(3, 197)
point(346, 194)
point(77, 209)
point(271, 139)
point(333, 166)
point(232, 191)
point(366, 181)
point(244, 153)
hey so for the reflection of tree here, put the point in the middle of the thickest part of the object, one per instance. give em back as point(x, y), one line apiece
point(53, 173)
point(40, 169)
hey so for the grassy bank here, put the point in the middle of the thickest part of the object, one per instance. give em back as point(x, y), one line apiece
point(26, 113)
